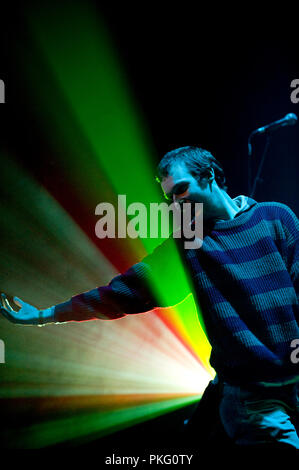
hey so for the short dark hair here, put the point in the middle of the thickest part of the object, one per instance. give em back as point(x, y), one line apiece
point(196, 159)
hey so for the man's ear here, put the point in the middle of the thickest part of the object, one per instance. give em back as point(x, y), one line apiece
point(210, 175)
point(210, 178)
point(206, 178)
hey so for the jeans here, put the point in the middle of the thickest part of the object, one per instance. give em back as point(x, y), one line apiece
point(261, 416)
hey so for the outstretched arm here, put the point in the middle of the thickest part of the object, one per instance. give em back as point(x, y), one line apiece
point(127, 293)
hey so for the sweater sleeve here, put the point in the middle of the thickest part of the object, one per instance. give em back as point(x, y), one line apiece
point(128, 293)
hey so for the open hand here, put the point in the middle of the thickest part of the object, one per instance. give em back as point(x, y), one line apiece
point(27, 315)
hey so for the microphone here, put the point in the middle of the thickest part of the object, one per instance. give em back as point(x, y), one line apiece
point(289, 120)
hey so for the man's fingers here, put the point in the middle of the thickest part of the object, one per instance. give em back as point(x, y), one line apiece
point(18, 301)
point(5, 303)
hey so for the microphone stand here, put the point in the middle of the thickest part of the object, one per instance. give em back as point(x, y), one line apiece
point(257, 179)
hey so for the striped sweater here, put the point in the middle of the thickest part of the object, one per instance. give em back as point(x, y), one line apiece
point(245, 280)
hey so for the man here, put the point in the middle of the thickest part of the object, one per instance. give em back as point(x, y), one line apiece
point(245, 279)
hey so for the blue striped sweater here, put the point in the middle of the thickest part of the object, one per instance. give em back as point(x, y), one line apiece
point(245, 280)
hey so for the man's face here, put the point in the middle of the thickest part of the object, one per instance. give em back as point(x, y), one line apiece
point(181, 186)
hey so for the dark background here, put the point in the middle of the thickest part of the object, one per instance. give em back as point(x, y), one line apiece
point(201, 77)
point(209, 77)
